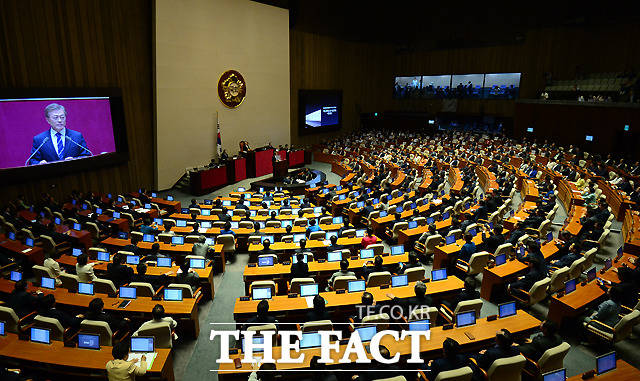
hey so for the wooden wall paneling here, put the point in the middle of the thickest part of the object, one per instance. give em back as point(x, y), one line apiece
point(76, 43)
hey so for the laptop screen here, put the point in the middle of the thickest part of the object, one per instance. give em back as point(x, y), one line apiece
point(16, 276)
point(234, 224)
point(40, 335)
point(123, 235)
point(366, 253)
point(265, 261)
point(76, 252)
point(334, 256)
point(264, 237)
point(88, 341)
point(49, 283)
point(549, 237)
point(464, 319)
point(591, 274)
point(240, 189)
point(116, 214)
point(181, 223)
point(342, 197)
point(196, 263)
point(569, 286)
point(283, 223)
point(399, 280)
point(205, 224)
point(445, 215)
point(506, 309)
point(298, 237)
point(133, 259)
point(607, 264)
point(164, 262)
point(154, 194)
point(397, 250)
point(177, 240)
point(226, 203)
point(205, 212)
point(501, 259)
point(430, 220)
point(208, 201)
point(259, 293)
point(310, 340)
point(360, 204)
point(148, 238)
point(399, 209)
point(77, 226)
point(366, 333)
point(337, 220)
point(472, 232)
point(450, 239)
point(605, 363)
point(12, 236)
point(360, 233)
point(173, 294)
point(29, 242)
point(556, 375)
point(309, 290)
point(356, 286)
point(169, 198)
point(2, 332)
point(85, 288)
point(412, 224)
point(419, 325)
point(128, 292)
point(383, 213)
point(439, 274)
point(142, 344)
point(256, 340)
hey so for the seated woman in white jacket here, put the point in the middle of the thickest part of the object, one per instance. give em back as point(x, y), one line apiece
point(84, 270)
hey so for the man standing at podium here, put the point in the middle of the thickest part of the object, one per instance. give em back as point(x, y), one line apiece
point(58, 142)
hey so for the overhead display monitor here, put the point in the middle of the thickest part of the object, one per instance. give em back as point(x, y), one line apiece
point(407, 87)
point(467, 85)
point(502, 85)
point(49, 132)
point(319, 111)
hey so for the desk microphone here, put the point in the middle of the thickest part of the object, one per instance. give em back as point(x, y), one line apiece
point(83, 147)
point(37, 149)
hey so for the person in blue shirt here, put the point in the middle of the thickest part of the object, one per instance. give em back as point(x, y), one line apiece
point(468, 249)
point(227, 229)
point(148, 228)
point(312, 228)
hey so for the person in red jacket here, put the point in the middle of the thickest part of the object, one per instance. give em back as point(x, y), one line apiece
point(369, 238)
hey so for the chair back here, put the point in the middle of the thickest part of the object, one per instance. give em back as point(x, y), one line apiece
point(245, 225)
point(10, 319)
point(395, 378)
point(478, 262)
point(165, 237)
point(379, 278)
point(294, 288)
point(317, 236)
point(460, 374)
point(187, 291)
point(40, 271)
point(105, 286)
point(273, 224)
point(558, 278)
point(377, 248)
point(69, 281)
point(143, 289)
point(623, 329)
point(160, 331)
point(264, 283)
point(507, 369)
point(53, 325)
point(577, 267)
point(227, 241)
point(553, 358)
point(538, 291)
point(456, 233)
point(469, 305)
point(318, 325)
point(342, 282)
point(432, 242)
point(100, 328)
point(397, 227)
point(300, 222)
point(380, 320)
point(350, 233)
point(415, 274)
point(430, 313)
point(589, 257)
point(192, 239)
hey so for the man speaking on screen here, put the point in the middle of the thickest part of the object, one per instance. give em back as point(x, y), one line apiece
point(57, 143)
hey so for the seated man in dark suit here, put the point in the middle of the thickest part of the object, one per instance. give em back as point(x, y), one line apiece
point(366, 307)
point(133, 246)
point(547, 339)
point(188, 276)
point(504, 348)
point(494, 239)
point(49, 310)
point(58, 142)
point(21, 301)
point(266, 247)
point(451, 359)
point(262, 316)
point(376, 268)
point(468, 249)
point(416, 302)
point(537, 271)
point(142, 276)
point(118, 272)
point(300, 269)
point(482, 211)
point(96, 312)
point(319, 311)
point(569, 258)
point(469, 292)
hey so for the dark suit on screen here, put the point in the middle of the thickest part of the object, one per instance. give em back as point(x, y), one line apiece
point(48, 151)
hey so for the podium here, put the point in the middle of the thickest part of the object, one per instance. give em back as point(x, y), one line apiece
point(280, 170)
point(259, 163)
